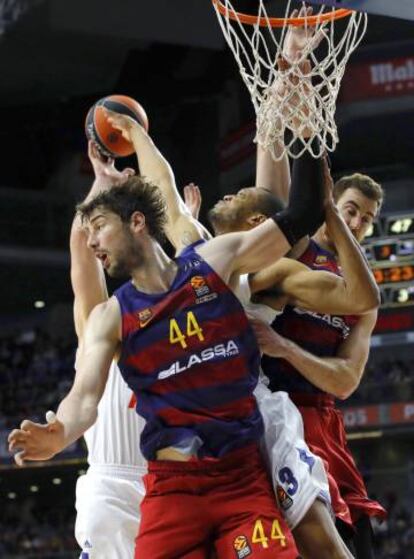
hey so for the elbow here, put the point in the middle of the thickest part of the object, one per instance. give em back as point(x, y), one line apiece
point(375, 299)
point(93, 416)
point(369, 303)
point(344, 394)
point(347, 389)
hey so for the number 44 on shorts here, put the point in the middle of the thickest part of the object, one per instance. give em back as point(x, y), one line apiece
point(259, 534)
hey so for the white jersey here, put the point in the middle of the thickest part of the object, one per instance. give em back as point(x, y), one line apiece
point(108, 496)
point(114, 438)
point(257, 310)
point(298, 475)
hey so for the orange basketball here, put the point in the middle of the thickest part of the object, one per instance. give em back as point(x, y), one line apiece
point(109, 141)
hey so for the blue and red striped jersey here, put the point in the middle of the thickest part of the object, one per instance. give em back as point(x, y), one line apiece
point(320, 334)
point(192, 360)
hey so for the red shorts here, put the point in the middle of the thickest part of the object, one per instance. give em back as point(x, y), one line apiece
point(326, 437)
point(192, 508)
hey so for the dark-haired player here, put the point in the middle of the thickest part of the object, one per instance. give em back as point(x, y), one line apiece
point(317, 357)
point(185, 347)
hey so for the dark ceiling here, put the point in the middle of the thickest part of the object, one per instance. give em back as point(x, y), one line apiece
point(169, 54)
point(61, 49)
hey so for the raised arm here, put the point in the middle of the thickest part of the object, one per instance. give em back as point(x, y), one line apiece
point(250, 251)
point(359, 284)
point(339, 375)
point(78, 410)
point(273, 173)
point(354, 293)
point(182, 229)
point(87, 276)
point(192, 199)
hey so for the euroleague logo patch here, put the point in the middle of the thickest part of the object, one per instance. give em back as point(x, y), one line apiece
point(199, 284)
point(202, 289)
point(242, 547)
point(285, 502)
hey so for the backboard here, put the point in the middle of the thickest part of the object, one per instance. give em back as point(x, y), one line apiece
point(394, 8)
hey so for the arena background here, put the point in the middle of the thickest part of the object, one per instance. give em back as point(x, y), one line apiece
point(56, 59)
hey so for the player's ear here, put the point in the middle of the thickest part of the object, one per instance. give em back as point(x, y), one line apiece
point(137, 222)
point(256, 219)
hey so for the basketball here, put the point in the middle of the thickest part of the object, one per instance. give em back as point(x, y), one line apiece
point(110, 141)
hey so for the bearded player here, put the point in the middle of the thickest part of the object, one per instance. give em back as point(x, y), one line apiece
point(186, 348)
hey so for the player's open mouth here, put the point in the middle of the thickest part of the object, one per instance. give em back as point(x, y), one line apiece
point(103, 257)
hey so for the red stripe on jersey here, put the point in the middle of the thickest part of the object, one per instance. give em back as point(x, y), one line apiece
point(154, 356)
point(310, 330)
point(130, 323)
point(233, 411)
point(171, 304)
point(212, 374)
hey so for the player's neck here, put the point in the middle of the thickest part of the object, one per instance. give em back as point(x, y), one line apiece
point(157, 271)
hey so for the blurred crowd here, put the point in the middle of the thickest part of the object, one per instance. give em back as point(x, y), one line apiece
point(387, 380)
point(31, 529)
point(36, 372)
point(394, 537)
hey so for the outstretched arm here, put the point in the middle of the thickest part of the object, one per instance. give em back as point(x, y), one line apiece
point(182, 228)
point(78, 411)
point(338, 375)
point(272, 165)
point(354, 293)
point(87, 276)
point(273, 175)
point(250, 251)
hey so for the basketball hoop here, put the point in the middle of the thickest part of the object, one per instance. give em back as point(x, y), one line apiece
point(293, 92)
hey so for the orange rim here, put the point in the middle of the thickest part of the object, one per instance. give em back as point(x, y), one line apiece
point(280, 21)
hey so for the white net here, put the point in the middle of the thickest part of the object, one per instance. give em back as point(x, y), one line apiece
point(293, 73)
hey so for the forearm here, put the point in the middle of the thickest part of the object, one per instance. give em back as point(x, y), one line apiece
point(360, 289)
point(83, 262)
point(305, 212)
point(273, 175)
point(87, 277)
point(334, 375)
point(77, 414)
point(154, 166)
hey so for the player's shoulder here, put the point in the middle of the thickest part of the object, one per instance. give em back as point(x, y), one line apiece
point(107, 312)
point(221, 242)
